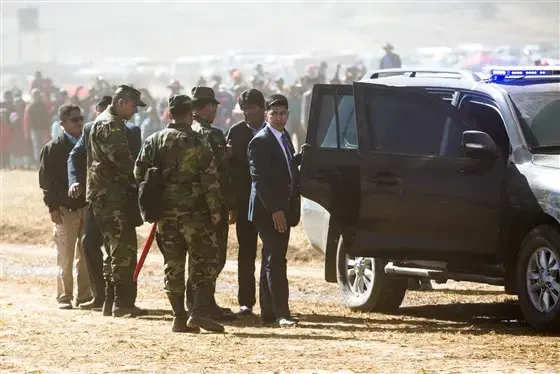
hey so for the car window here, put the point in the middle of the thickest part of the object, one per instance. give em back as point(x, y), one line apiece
point(414, 126)
point(331, 106)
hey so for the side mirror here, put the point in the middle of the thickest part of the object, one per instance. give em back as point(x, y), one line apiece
point(478, 144)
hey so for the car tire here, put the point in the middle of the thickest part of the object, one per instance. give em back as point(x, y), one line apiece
point(383, 294)
point(538, 278)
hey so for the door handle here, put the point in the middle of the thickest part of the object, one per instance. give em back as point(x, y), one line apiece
point(386, 179)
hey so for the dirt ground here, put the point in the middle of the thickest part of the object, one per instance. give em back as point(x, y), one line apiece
point(459, 327)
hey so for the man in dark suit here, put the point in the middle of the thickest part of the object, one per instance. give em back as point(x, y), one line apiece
point(92, 239)
point(274, 207)
point(238, 138)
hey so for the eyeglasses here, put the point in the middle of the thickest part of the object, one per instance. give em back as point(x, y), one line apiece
point(76, 119)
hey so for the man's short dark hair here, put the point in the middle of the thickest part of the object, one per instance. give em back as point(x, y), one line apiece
point(65, 110)
point(104, 102)
point(276, 100)
point(251, 97)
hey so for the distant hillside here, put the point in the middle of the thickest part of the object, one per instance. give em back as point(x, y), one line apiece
point(91, 31)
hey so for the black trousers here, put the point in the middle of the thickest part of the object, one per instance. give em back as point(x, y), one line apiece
point(247, 238)
point(92, 242)
point(273, 287)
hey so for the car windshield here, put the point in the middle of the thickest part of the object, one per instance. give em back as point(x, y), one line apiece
point(538, 109)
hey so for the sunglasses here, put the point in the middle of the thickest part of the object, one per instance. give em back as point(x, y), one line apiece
point(76, 119)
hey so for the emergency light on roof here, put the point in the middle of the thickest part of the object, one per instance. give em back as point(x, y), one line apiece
point(498, 74)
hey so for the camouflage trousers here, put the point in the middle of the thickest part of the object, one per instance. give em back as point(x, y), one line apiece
point(119, 236)
point(222, 231)
point(198, 240)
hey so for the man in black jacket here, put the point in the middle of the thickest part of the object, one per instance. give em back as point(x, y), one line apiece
point(238, 137)
point(66, 213)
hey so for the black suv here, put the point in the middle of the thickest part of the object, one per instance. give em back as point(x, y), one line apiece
point(441, 175)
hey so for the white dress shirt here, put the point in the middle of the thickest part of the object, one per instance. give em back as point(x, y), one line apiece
point(278, 135)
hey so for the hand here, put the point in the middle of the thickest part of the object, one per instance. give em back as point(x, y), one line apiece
point(279, 219)
point(216, 218)
point(56, 217)
point(75, 190)
point(232, 217)
point(304, 147)
point(229, 149)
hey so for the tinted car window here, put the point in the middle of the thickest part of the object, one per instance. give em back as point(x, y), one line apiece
point(327, 134)
point(404, 126)
point(538, 109)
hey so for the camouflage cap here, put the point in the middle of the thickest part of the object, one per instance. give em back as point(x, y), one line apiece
point(203, 93)
point(127, 92)
point(179, 100)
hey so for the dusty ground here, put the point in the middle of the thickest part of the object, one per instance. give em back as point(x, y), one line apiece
point(457, 328)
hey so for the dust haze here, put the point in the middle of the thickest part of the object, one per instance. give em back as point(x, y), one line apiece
point(92, 31)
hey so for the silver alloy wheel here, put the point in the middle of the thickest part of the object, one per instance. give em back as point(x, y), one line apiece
point(359, 273)
point(543, 279)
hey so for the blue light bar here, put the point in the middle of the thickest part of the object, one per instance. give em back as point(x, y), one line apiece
point(498, 73)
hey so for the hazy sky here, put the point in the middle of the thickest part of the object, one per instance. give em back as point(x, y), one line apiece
point(163, 30)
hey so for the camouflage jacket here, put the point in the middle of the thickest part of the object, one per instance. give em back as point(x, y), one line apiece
point(110, 162)
point(217, 141)
point(186, 162)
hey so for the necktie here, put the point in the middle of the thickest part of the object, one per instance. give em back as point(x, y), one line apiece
point(287, 148)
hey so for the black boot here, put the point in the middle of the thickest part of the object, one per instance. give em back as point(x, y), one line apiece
point(124, 304)
point(109, 299)
point(177, 302)
point(201, 314)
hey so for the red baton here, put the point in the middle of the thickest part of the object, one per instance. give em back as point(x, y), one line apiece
point(145, 251)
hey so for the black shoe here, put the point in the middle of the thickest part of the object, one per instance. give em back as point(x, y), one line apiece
point(267, 320)
point(177, 301)
point(205, 324)
point(79, 302)
point(64, 305)
point(245, 311)
point(287, 322)
point(92, 305)
point(223, 314)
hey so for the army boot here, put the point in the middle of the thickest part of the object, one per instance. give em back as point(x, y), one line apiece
point(109, 299)
point(202, 310)
point(124, 304)
point(177, 302)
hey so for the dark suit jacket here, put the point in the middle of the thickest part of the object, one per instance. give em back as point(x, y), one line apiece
point(272, 188)
point(77, 160)
point(240, 135)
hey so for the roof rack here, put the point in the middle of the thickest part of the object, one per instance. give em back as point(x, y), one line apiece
point(412, 73)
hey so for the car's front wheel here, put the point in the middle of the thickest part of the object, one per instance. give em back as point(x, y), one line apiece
point(364, 286)
point(538, 278)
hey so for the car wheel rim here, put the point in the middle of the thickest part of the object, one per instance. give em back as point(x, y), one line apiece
point(359, 274)
point(543, 279)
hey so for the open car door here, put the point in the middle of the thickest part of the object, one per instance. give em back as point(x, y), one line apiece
point(330, 169)
point(422, 198)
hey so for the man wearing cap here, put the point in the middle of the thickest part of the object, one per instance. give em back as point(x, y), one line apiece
point(390, 60)
point(192, 205)
point(111, 190)
point(238, 138)
point(205, 106)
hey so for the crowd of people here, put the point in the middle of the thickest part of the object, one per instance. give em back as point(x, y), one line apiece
point(28, 126)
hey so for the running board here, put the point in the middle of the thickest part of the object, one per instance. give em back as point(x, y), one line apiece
point(442, 276)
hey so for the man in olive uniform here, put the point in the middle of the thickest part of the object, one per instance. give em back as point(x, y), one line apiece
point(111, 189)
point(192, 206)
point(205, 106)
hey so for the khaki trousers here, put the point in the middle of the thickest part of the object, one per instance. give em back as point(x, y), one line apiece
point(67, 238)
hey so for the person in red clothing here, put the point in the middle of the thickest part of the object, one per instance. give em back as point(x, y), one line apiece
point(37, 123)
point(6, 138)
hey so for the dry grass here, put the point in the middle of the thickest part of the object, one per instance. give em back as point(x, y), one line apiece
point(458, 328)
point(24, 219)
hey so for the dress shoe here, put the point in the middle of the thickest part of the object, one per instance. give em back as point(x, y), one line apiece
point(224, 315)
point(245, 311)
point(65, 305)
point(92, 305)
point(287, 322)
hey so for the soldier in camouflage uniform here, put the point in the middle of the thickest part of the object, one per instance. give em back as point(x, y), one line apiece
point(192, 204)
point(205, 105)
point(110, 181)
